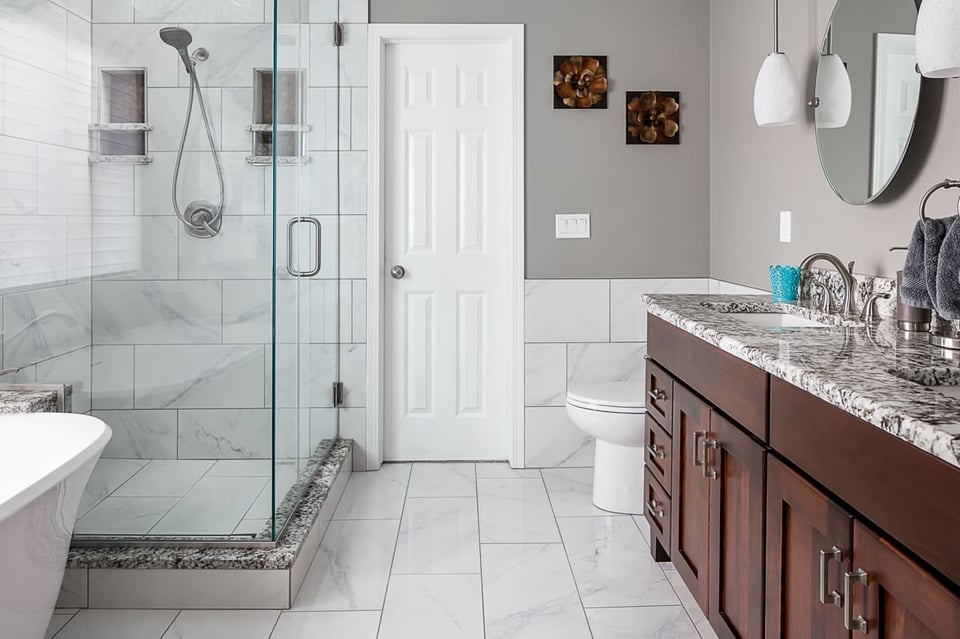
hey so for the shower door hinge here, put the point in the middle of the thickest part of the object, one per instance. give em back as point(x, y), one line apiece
point(337, 34)
point(337, 393)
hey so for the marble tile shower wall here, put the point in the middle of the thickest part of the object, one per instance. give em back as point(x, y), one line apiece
point(45, 215)
point(181, 327)
point(582, 331)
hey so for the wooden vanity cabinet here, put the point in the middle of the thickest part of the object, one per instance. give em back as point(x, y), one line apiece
point(808, 524)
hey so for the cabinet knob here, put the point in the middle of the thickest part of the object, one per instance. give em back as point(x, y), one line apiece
point(657, 395)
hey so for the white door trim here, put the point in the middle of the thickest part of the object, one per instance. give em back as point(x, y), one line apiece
point(379, 36)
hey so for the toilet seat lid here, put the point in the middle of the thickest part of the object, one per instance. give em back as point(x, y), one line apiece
point(609, 395)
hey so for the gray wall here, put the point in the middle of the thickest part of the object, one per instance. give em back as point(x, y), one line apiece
point(649, 205)
point(755, 173)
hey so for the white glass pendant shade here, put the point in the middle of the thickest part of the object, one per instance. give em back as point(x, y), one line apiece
point(938, 38)
point(834, 93)
point(776, 96)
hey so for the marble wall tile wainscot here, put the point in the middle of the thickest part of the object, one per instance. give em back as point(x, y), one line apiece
point(578, 332)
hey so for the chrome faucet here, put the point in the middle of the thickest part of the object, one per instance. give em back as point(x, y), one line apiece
point(846, 274)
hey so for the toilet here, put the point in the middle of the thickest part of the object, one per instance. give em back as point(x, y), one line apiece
point(613, 413)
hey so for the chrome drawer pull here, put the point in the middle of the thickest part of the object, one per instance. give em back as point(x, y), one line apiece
point(655, 509)
point(697, 436)
point(657, 395)
point(708, 472)
point(655, 452)
point(863, 579)
point(835, 598)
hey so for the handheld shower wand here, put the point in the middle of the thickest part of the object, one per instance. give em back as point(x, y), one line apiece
point(202, 218)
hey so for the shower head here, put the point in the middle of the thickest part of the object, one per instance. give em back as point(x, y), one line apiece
point(179, 39)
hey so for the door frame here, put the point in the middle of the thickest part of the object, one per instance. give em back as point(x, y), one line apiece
point(379, 37)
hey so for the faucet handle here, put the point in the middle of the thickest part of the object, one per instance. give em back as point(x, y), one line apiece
point(850, 266)
point(869, 312)
point(826, 304)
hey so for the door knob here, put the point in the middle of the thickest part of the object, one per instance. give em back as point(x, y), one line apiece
point(397, 272)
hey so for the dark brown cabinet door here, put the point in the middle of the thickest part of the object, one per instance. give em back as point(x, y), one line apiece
point(802, 523)
point(690, 519)
point(735, 467)
point(894, 597)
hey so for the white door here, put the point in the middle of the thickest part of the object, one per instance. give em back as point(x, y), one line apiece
point(896, 92)
point(447, 206)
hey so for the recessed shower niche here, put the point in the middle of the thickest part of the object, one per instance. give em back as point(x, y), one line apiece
point(279, 125)
point(120, 133)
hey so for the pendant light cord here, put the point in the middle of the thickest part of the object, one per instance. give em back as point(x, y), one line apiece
point(776, 26)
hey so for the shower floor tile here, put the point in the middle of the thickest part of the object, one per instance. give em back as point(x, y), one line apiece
point(384, 566)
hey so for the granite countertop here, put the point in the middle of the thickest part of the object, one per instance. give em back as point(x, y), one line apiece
point(862, 370)
point(28, 400)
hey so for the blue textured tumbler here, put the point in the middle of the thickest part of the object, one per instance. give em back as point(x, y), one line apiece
point(785, 283)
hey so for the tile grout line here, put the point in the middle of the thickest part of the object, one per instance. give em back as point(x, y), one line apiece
point(573, 576)
point(393, 557)
point(483, 607)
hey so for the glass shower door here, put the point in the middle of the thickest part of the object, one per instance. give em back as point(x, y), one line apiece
point(306, 362)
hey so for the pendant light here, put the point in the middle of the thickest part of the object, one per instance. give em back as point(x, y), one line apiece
point(938, 38)
point(776, 96)
point(834, 99)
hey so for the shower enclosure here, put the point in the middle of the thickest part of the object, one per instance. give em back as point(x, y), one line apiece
point(185, 280)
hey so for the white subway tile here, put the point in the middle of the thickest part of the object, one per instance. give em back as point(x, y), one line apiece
point(140, 434)
point(552, 440)
point(157, 312)
point(567, 311)
point(617, 362)
point(545, 374)
point(112, 377)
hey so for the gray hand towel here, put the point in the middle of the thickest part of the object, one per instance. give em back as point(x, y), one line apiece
point(913, 288)
point(934, 230)
point(948, 274)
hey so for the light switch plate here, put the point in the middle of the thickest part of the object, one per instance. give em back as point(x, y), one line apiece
point(785, 226)
point(573, 226)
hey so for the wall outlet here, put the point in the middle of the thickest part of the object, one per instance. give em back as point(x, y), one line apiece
point(571, 226)
point(785, 226)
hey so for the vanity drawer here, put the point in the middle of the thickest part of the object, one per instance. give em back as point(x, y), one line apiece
point(657, 511)
point(659, 452)
point(659, 400)
point(735, 387)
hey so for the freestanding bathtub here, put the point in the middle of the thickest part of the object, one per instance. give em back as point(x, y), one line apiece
point(45, 462)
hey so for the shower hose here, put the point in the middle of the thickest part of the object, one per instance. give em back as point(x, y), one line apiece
point(201, 219)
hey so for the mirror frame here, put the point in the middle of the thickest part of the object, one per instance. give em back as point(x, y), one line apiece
point(906, 149)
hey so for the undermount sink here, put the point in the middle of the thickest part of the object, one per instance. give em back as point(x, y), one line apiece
point(777, 320)
point(945, 379)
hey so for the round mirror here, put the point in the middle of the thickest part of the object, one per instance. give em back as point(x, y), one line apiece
point(867, 93)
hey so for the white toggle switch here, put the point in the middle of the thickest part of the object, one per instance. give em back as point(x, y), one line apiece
point(785, 226)
point(571, 226)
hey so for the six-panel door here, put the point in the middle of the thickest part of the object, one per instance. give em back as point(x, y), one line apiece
point(808, 544)
point(689, 545)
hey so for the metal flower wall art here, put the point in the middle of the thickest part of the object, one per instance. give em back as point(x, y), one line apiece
point(653, 117)
point(579, 82)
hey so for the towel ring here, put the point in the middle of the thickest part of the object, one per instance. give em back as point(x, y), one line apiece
point(946, 184)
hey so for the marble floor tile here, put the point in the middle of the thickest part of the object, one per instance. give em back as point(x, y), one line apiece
point(438, 536)
point(571, 492)
point(108, 475)
point(223, 624)
point(376, 495)
point(443, 480)
point(644, 527)
point(315, 625)
point(58, 621)
point(502, 470)
point(648, 622)
point(164, 478)
point(433, 607)
point(351, 568)
point(612, 564)
point(214, 506)
point(124, 516)
point(689, 603)
point(118, 624)
point(529, 593)
point(515, 511)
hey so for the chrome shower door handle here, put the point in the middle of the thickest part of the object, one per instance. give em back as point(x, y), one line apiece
point(291, 241)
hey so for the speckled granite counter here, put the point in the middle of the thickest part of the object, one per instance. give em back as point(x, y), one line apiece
point(858, 369)
point(32, 399)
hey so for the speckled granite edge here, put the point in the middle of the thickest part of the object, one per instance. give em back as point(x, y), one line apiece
point(929, 422)
point(280, 557)
point(33, 398)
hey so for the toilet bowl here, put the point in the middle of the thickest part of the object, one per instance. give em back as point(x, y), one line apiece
point(613, 413)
